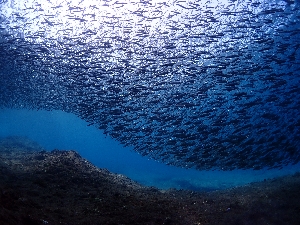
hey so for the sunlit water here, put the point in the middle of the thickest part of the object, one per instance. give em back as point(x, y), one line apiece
point(60, 130)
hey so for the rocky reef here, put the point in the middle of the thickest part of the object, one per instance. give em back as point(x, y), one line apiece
point(60, 187)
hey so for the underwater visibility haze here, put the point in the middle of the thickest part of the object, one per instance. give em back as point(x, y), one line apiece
point(207, 85)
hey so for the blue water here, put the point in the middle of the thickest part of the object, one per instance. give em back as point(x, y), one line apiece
point(65, 131)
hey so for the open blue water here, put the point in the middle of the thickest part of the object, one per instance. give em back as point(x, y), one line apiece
point(64, 131)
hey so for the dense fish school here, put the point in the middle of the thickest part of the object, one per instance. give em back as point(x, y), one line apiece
point(198, 84)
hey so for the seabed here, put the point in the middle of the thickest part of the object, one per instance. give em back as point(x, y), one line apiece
point(61, 187)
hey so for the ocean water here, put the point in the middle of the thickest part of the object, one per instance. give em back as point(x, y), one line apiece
point(156, 89)
point(64, 131)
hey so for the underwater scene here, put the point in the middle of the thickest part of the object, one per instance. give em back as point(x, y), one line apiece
point(162, 101)
point(64, 131)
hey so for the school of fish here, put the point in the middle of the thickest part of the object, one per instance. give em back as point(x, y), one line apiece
point(198, 84)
